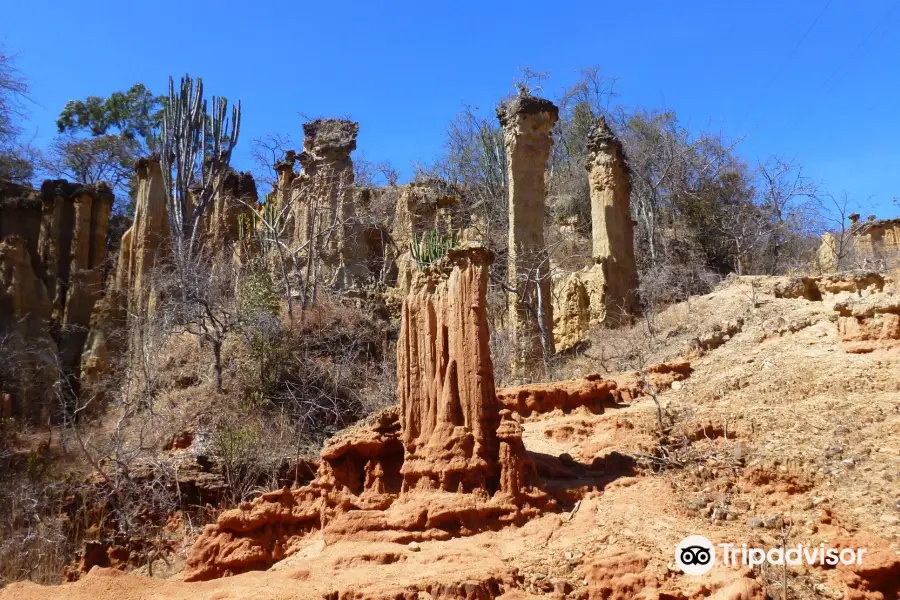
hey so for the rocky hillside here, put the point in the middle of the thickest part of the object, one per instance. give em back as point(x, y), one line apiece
point(780, 406)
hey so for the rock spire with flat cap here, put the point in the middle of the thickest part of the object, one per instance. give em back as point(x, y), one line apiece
point(527, 125)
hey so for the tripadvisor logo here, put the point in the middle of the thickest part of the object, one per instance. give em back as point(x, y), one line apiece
point(696, 555)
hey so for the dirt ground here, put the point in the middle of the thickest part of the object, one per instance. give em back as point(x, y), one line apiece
point(779, 436)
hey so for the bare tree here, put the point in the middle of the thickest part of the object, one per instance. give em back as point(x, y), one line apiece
point(787, 196)
point(267, 151)
point(833, 214)
point(17, 159)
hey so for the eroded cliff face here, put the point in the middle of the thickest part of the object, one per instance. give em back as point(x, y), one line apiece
point(604, 293)
point(60, 231)
point(527, 124)
point(612, 229)
point(230, 214)
point(447, 462)
point(27, 365)
point(869, 324)
point(870, 245)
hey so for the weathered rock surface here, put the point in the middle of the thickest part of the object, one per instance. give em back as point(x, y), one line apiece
point(61, 231)
point(593, 392)
point(422, 206)
point(115, 324)
point(876, 244)
point(870, 323)
point(612, 229)
point(527, 124)
point(605, 293)
point(28, 369)
point(858, 283)
point(323, 215)
point(232, 209)
point(445, 378)
point(446, 463)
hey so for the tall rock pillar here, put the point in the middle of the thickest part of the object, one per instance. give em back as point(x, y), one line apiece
point(527, 124)
point(445, 378)
point(612, 228)
point(325, 218)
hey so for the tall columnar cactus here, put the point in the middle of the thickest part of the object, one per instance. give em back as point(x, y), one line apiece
point(196, 148)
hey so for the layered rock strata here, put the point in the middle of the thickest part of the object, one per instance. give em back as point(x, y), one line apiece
point(324, 221)
point(869, 324)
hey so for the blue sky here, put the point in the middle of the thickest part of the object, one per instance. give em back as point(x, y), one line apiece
point(815, 81)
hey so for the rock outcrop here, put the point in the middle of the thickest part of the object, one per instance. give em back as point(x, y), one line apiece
point(445, 381)
point(27, 365)
point(323, 215)
point(60, 232)
point(423, 206)
point(604, 293)
point(876, 243)
point(815, 289)
point(869, 324)
point(446, 462)
point(527, 124)
point(231, 210)
point(612, 229)
point(872, 245)
point(593, 392)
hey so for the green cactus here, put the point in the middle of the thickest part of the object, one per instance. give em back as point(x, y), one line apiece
point(432, 246)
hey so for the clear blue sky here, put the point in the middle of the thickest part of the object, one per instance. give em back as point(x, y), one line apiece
point(403, 69)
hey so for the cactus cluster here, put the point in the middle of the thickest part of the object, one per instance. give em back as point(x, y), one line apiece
point(432, 246)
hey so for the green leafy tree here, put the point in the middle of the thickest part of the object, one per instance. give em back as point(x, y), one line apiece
point(101, 137)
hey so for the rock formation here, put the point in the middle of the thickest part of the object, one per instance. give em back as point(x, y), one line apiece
point(323, 217)
point(605, 292)
point(61, 231)
point(422, 206)
point(828, 253)
point(869, 324)
point(446, 462)
point(232, 205)
point(872, 244)
point(445, 384)
point(527, 124)
point(612, 229)
point(877, 243)
point(593, 392)
point(27, 364)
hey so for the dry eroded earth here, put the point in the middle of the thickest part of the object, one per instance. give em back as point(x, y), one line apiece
point(781, 433)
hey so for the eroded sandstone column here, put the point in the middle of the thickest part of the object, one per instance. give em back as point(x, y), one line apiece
point(612, 228)
point(281, 198)
point(92, 208)
point(323, 211)
point(445, 378)
point(527, 124)
point(235, 202)
point(142, 243)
